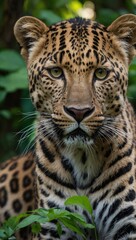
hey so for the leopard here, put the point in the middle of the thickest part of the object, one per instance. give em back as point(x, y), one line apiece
point(86, 127)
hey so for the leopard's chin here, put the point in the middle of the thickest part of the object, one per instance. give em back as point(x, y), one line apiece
point(78, 138)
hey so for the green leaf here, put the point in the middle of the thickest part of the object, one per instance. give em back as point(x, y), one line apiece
point(2, 234)
point(15, 81)
point(41, 211)
point(10, 60)
point(59, 229)
point(88, 225)
point(60, 3)
point(12, 238)
point(3, 94)
point(77, 216)
point(29, 220)
point(57, 213)
point(72, 226)
point(112, 15)
point(81, 201)
point(11, 224)
point(49, 16)
point(36, 228)
point(132, 92)
point(81, 220)
point(73, 221)
point(9, 231)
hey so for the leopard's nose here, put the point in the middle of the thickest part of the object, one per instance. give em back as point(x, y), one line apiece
point(79, 114)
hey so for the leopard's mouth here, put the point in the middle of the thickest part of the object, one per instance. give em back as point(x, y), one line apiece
point(78, 133)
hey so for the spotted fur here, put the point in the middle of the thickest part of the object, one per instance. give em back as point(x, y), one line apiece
point(86, 129)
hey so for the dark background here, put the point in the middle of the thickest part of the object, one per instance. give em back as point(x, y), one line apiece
point(17, 115)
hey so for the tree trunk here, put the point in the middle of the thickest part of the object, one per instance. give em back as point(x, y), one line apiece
point(12, 11)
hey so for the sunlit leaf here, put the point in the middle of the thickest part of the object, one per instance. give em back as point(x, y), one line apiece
point(75, 5)
point(81, 201)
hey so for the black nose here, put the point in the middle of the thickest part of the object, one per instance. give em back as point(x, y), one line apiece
point(79, 114)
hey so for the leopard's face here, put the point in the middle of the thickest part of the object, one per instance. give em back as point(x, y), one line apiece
point(78, 78)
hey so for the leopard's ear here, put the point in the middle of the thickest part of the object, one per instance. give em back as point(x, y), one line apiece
point(28, 30)
point(124, 28)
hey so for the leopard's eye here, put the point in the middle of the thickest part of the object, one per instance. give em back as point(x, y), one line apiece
point(101, 73)
point(55, 72)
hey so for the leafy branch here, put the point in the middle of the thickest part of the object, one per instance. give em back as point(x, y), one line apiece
point(71, 220)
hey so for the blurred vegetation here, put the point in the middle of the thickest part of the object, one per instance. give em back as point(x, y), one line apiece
point(16, 110)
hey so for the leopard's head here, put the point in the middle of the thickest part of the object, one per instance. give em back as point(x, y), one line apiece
point(78, 72)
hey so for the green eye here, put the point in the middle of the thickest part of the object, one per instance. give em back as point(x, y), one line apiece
point(56, 72)
point(100, 73)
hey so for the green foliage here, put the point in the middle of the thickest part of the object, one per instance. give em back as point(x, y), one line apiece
point(14, 75)
point(10, 60)
point(49, 16)
point(14, 81)
point(13, 78)
point(71, 220)
point(112, 15)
